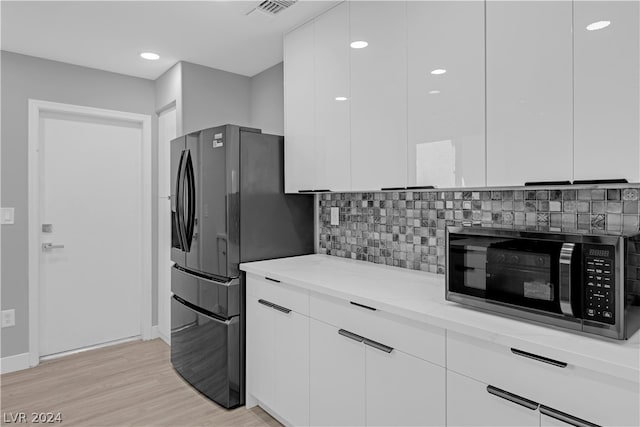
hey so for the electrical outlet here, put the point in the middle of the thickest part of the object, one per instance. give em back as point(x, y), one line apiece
point(8, 318)
point(335, 219)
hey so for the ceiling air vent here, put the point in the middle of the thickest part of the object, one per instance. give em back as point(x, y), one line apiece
point(273, 7)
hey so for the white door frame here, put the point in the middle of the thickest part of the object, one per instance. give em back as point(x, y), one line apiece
point(164, 275)
point(36, 109)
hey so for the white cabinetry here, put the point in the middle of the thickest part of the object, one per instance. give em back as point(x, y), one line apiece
point(332, 100)
point(278, 350)
point(361, 371)
point(403, 390)
point(529, 91)
point(260, 351)
point(378, 95)
point(542, 378)
point(470, 404)
point(446, 129)
point(336, 378)
point(299, 119)
point(607, 90)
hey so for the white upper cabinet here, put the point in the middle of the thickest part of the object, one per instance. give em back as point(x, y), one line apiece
point(607, 90)
point(299, 119)
point(529, 91)
point(378, 95)
point(332, 99)
point(446, 132)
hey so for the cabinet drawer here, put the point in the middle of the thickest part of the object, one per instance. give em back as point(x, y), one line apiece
point(279, 293)
point(423, 341)
point(584, 393)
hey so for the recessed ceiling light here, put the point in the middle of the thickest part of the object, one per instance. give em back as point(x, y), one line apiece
point(341, 98)
point(150, 56)
point(598, 25)
point(359, 44)
point(434, 92)
point(438, 71)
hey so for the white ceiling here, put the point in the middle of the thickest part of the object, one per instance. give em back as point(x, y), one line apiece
point(109, 35)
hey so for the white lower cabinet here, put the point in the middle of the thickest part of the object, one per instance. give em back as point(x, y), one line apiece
point(547, 421)
point(278, 358)
point(322, 361)
point(470, 404)
point(260, 351)
point(403, 390)
point(336, 378)
point(358, 382)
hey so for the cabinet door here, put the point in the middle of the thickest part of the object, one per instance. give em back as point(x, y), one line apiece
point(299, 129)
point(292, 367)
point(336, 378)
point(446, 133)
point(469, 404)
point(260, 351)
point(378, 95)
point(332, 99)
point(547, 421)
point(529, 91)
point(607, 90)
point(403, 390)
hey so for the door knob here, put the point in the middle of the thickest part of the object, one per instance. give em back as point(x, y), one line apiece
point(49, 246)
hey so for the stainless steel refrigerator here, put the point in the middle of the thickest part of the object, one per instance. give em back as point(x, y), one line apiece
point(228, 206)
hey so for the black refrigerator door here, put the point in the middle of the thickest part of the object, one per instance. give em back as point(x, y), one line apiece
point(205, 350)
point(177, 198)
point(206, 224)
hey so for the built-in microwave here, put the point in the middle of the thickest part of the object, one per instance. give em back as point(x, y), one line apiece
point(584, 282)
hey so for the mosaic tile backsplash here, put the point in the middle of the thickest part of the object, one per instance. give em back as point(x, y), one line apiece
point(407, 228)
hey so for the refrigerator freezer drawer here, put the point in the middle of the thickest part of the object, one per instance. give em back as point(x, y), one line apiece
point(218, 297)
point(206, 352)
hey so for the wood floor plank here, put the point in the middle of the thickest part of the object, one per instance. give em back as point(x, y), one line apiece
point(131, 384)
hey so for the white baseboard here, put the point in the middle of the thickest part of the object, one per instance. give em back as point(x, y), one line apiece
point(14, 363)
point(156, 333)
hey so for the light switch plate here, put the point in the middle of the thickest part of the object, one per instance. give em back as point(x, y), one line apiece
point(8, 318)
point(7, 216)
point(335, 219)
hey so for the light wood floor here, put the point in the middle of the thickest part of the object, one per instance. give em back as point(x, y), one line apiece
point(122, 385)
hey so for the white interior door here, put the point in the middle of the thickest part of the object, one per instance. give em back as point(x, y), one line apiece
point(167, 130)
point(91, 193)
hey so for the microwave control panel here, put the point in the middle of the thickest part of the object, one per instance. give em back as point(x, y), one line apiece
point(599, 284)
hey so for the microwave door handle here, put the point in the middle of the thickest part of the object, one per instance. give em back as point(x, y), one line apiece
point(566, 254)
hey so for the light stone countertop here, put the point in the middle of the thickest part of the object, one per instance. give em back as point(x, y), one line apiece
point(419, 296)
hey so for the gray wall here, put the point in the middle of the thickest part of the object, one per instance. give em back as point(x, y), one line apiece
point(267, 100)
point(213, 97)
point(169, 92)
point(25, 77)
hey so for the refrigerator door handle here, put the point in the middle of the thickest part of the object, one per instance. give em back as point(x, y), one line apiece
point(179, 203)
point(191, 197)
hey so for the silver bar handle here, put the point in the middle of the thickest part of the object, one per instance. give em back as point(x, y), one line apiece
point(265, 302)
point(529, 404)
point(350, 335)
point(281, 308)
point(569, 419)
point(49, 246)
point(378, 346)
point(542, 359)
point(566, 253)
